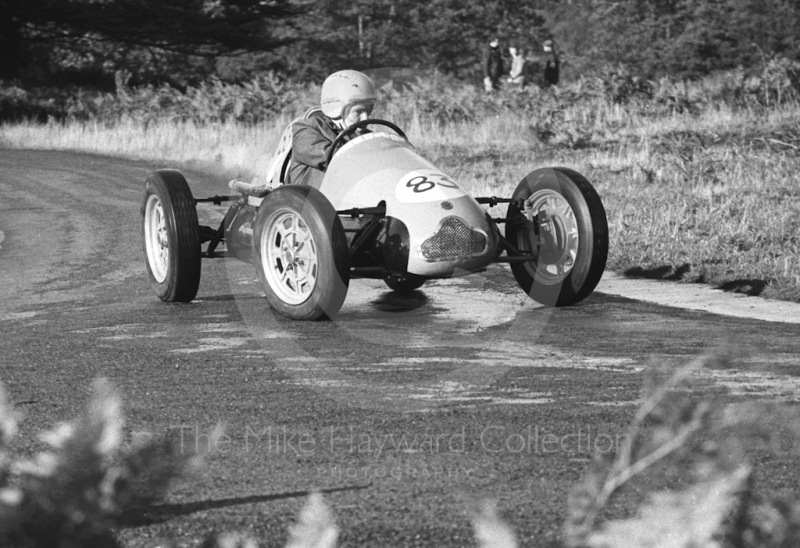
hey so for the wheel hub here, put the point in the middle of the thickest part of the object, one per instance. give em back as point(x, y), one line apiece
point(156, 238)
point(556, 244)
point(289, 257)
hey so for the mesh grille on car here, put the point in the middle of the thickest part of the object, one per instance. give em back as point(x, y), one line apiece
point(453, 240)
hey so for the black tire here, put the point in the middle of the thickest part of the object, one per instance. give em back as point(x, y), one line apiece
point(297, 231)
point(171, 242)
point(571, 249)
point(403, 285)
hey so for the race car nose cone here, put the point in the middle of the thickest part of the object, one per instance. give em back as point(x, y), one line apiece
point(454, 239)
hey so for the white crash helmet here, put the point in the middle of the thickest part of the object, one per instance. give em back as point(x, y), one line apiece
point(343, 89)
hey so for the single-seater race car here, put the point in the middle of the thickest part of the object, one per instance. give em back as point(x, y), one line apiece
point(382, 211)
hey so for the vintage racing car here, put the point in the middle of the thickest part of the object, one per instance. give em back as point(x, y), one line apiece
point(382, 211)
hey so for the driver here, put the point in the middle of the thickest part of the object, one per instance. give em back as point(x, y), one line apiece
point(347, 97)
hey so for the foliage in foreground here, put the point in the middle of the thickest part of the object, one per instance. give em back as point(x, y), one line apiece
point(89, 483)
point(674, 429)
point(74, 493)
point(77, 493)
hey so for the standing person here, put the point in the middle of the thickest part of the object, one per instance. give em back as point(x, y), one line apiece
point(516, 76)
point(552, 65)
point(347, 97)
point(493, 66)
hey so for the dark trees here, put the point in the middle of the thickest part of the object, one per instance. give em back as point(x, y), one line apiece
point(687, 37)
point(44, 35)
point(186, 40)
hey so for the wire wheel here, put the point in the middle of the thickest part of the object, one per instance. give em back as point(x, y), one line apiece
point(558, 239)
point(289, 256)
point(155, 238)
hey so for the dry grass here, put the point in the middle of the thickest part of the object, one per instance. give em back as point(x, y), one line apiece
point(710, 198)
point(225, 146)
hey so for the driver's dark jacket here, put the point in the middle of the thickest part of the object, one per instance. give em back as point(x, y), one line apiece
point(311, 140)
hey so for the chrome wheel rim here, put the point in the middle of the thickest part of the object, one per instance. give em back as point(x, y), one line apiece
point(289, 257)
point(156, 239)
point(556, 245)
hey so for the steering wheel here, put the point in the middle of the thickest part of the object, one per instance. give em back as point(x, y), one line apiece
point(355, 127)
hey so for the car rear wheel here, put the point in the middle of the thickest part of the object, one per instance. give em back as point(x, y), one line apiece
point(301, 253)
point(563, 225)
point(171, 241)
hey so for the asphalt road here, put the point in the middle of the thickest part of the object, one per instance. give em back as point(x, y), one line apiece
point(403, 408)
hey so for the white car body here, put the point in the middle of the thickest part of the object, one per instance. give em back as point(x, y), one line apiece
point(449, 232)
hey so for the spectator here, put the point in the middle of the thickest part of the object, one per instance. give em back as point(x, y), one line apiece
point(517, 75)
point(552, 65)
point(493, 66)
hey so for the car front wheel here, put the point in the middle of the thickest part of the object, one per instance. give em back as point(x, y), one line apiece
point(563, 226)
point(301, 253)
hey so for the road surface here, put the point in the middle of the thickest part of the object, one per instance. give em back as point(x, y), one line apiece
point(404, 408)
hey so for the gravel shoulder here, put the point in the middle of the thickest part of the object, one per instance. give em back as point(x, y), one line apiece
point(700, 297)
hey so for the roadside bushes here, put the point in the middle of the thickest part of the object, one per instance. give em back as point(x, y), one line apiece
point(263, 98)
point(213, 101)
point(428, 96)
point(776, 80)
point(18, 104)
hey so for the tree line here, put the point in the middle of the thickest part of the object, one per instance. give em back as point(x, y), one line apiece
point(181, 42)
